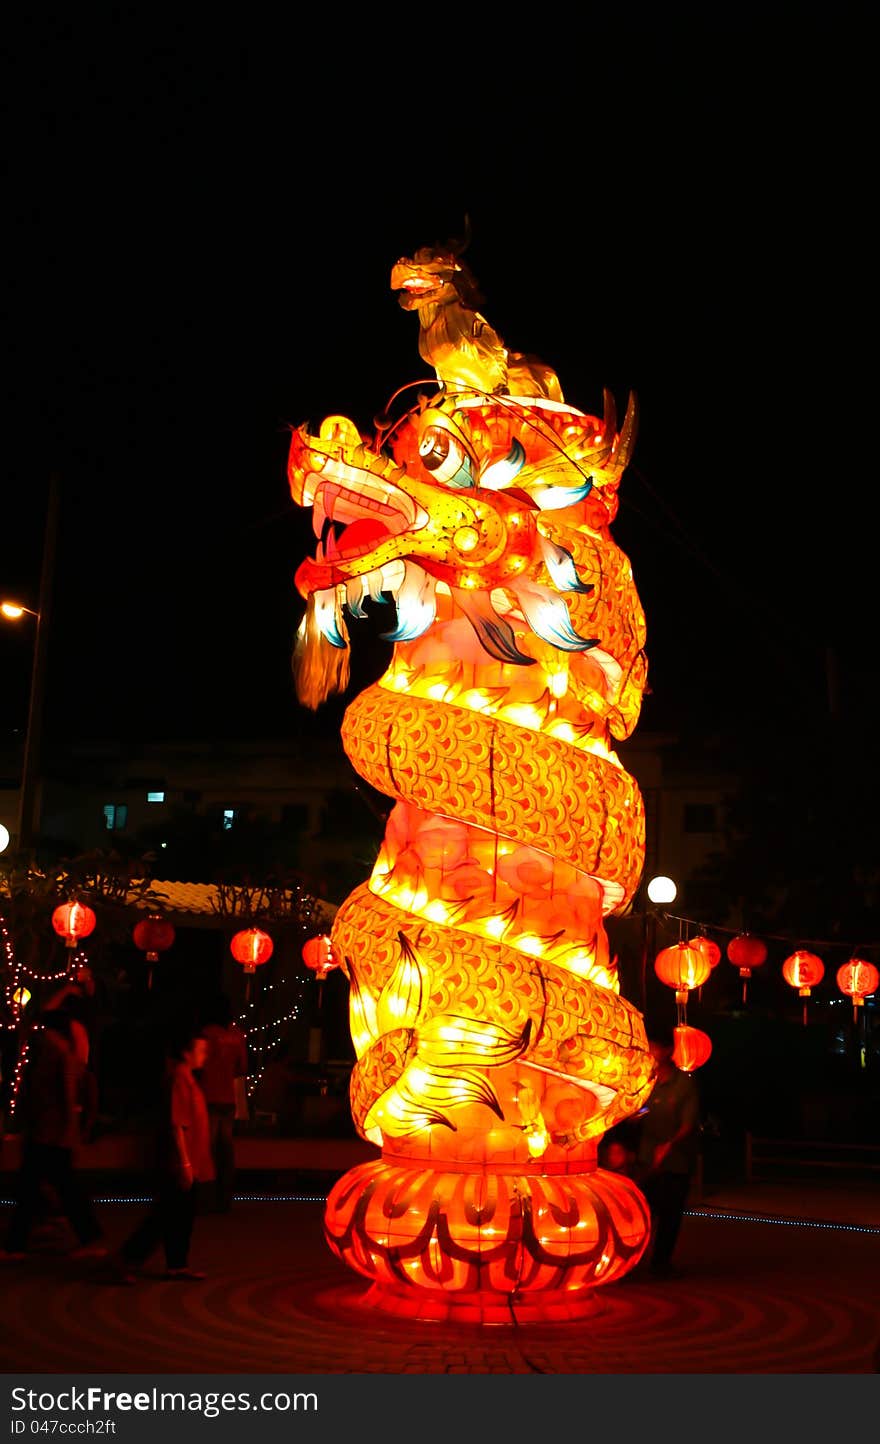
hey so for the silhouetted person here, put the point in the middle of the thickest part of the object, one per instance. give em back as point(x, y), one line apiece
point(183, 1164)
point(668, 1148)
point(617, 1150)
point(52, 1109)
point(226, 1062)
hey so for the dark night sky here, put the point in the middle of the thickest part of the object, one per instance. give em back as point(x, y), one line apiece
point(202, 230)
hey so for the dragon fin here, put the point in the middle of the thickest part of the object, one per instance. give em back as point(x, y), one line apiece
point(496, 636)
point(547, 615)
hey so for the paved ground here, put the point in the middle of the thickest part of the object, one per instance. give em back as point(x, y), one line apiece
point(754, 1297)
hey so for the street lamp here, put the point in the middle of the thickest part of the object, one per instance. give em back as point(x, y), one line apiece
point(13, 612)
point(4, 837)
point(660, 890)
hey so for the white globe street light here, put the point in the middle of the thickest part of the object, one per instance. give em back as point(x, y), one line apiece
point(4, 837)
point(662, 890)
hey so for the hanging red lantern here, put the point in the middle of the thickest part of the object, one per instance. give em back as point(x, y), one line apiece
point(692, 1048)
point(682, 967)
point(153, 935)
point(746, 952)
point(73, 921)
point(858, 979)
point(710, 950)
point(803, 971)
point(251, 947)
point(318, 955)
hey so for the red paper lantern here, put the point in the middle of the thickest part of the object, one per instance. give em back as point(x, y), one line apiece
point(73, 921)
point(746, 952)
point(803, 971)
point(682, 967)
point(251, 947)
point(692, 1048)
point(711, 951)
point(858, 980)
point(153, 936)
point(318, 955)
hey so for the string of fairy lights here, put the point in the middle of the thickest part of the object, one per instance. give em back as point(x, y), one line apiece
point(254, 1076)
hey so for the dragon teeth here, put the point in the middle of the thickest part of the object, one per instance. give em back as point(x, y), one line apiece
point(393, 574)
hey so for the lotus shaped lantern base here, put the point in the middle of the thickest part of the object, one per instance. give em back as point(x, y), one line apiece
point(478, 1244)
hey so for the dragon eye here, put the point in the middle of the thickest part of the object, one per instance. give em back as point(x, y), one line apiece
point(445, 458)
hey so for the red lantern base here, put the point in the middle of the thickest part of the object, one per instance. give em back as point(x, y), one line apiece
point(481, 1245)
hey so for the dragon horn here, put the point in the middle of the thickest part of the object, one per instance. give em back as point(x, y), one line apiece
point(609, 423)
point(627, 438)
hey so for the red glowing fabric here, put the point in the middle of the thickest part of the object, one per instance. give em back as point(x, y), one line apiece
point(682, 967)
point(319, 957)
point(153, 936)
point(710, 950)
point(858, 979)
point(73, 921)
point(803, 971)
point(252, 948)
point(692, 1048)
point(746, 952)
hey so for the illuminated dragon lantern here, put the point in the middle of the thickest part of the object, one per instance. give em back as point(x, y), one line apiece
point(493, 1047)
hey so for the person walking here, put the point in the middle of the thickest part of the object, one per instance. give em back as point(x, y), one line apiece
point(52, 1112)
point(668, 1149)
point(183, 1165)
point(226, 1062)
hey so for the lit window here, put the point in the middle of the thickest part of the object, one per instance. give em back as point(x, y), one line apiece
point(155, 796)
point(115, 816)
point(109, 816)
point(229, 816)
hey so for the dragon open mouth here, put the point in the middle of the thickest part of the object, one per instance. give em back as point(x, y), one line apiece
point(350, 524)
point(420, 286)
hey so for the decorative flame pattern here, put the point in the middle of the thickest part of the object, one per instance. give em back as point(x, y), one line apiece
point(493, 1048)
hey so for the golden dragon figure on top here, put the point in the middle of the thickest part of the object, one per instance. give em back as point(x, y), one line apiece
point(454, 337)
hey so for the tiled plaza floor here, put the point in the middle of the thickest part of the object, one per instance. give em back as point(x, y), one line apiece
point(753, 1297)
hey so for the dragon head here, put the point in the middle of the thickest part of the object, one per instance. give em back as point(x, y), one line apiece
point(491, 509)
point(435, 276)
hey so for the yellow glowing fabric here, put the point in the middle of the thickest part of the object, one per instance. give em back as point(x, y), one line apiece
point(485, 1011)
